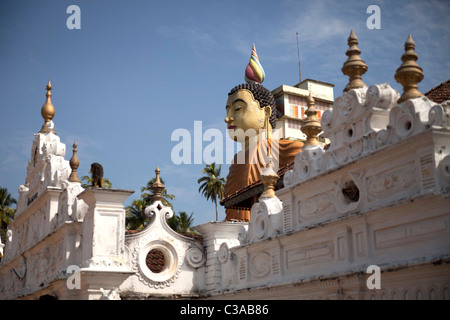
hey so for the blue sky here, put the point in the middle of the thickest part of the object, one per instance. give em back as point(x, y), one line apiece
point(138, 70)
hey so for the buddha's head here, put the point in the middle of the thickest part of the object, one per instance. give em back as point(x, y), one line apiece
point(250, 106)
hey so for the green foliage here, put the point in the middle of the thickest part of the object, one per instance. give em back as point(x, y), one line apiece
point(6, 212)
point(182, 223)
point(134, 219)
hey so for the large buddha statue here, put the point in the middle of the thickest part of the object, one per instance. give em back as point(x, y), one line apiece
point(251, 116)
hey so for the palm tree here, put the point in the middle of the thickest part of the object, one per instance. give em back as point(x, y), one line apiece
point(148, 196)
point(134, 219)
point(6, 212)
point(181, 223)
point(185, 222)
point(212, 185)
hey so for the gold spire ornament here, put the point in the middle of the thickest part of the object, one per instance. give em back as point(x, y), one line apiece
point(409, 73)
point(48, 110)
point(354, 67)
point(311, 125)
point(157, 187)
point(74, 164)
point(269, 178)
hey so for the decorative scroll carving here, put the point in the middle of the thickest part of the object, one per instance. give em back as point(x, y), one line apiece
point(224, 253)
point(195, 257)
point(308, 163)
point(157, 208)
point(266, 219)
point(381, 96)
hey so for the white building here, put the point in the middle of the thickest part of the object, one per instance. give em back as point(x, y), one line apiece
point(375, 203)
point(292, 103)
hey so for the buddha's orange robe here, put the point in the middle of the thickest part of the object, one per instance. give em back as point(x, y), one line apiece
point(241, 175)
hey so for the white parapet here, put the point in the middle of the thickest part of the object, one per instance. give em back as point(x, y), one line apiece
point(104, 257)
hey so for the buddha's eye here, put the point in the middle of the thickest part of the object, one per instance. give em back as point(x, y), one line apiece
point(238, 105)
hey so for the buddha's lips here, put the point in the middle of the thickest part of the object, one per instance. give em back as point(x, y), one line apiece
point(232, 127)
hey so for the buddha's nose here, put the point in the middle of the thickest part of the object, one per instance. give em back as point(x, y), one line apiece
point(229, 119)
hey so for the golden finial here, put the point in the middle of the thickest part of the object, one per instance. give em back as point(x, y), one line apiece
point(48, 110)
point(311, 125)
point(269, 178)
point(157, 187)
point(409, 73)
point(74, 164)
point(354, 67)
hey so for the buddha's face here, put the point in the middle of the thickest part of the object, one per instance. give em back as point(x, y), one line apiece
point(244, 112)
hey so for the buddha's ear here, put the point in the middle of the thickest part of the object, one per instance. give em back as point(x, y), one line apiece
point(268, 111)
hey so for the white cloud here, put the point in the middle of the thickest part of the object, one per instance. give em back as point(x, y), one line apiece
point(316, 24)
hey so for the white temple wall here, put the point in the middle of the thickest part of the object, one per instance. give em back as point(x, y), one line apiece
point(378, 196)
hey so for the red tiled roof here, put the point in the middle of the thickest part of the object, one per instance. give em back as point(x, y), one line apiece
point(439, 93)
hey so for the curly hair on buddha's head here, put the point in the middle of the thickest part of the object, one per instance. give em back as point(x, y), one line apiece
point(262, 95)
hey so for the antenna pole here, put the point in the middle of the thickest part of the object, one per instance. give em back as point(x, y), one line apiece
point(299, 65)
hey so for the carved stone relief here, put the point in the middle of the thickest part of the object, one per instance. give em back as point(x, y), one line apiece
point(316, 207)
point(168, 249)
point(390, 182)
point(308, 255)
point(260, 264)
